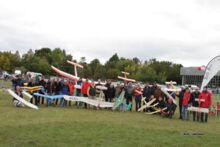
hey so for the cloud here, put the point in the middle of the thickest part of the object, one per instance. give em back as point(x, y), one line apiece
point(184, 32)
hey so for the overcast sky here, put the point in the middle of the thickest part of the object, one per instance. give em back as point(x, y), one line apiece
point(185, 32)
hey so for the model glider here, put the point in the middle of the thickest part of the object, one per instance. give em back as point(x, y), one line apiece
point(120, 101)
point(157, 111)
point(168, 95)
point(147, 105)
point(64, 74)
point(125, 77)
point(13, 94)
point(31, 89)
point(98, 102)
point(49, 96)
point(198, 109)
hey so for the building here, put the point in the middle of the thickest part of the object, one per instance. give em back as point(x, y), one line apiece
point(193, 76)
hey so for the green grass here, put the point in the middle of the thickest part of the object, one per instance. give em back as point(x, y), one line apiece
point(55, 126)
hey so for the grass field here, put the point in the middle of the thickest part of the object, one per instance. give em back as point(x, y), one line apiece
point(55, 126)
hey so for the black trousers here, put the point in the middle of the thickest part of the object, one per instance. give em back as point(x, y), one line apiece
point(196, 116)
point(202, 117)
point(85, 95)
point(180, 110)
point(137, 102)
point(129, 100)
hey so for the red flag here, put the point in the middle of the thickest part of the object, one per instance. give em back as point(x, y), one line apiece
point(201, 68)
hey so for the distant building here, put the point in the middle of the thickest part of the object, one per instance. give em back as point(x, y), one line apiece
point(191, 75)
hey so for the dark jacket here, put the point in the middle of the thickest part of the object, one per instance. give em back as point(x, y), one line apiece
point(194, 96)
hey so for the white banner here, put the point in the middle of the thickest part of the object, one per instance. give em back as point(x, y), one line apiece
point(211, 70)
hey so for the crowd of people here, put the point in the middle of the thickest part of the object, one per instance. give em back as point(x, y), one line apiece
point(61, 86)
point(197, 99)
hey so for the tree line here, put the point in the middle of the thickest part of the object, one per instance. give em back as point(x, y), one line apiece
point(40, 61)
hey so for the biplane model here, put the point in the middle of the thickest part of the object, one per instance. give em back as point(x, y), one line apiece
point(125, 78)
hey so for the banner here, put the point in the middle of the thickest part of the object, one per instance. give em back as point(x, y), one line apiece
point(211, 70)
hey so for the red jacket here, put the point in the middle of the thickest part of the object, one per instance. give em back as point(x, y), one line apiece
point(207, 96)
point(71, 88)
point(186, 98)
point(85, 87)
point(138, 92)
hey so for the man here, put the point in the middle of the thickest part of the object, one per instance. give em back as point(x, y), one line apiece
point(42, 91)
point(171, 107)
point(138, 93)
point(186, 98)
point(147, 92)
point(117, 90)
point(71, 88)
point(194, 102)
point(84, 89)
point(128, 93)
point(205, 101)
point(181, 94)
point(15, 101)
point(92, 90)
point(110, 92)
point(31, 84)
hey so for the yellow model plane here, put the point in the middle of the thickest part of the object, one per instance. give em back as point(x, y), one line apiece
point(31, 89)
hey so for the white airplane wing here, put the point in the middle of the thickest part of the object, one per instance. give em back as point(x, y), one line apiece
point(12, 93)
point(168, 95)
point(96, 103)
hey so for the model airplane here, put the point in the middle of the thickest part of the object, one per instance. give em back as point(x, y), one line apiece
point(13, 94)
point(171, 87)
point(64, 74)
point(49, 96)
point(80, 66)
point(198, 109)
point(120, 101)
point(125, 77)
point(97, 102)
point(147, 105)
point(31, 89)
point(157, 111)
point(168, 95)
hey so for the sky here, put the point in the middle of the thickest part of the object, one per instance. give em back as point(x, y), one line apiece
point(182, 31)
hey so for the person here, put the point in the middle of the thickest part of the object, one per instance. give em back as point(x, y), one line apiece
point(117, 90)
point(194, 103)
point(181, 94)
point(56, 89)
point(110, 92)
point(128, 93)
point(71, 88)
point(171, 107)
point(84, 89)
point(32, 83)
point(138, 93)
point(205, 101)
point(147, 94)
point(158, 92)
point(15, 101)
point(186, 98)
point(161, 103)
point(50, 90)
point(65, 91)
point(61, 86)
point(43, 84)
point(78, 91)
point(98, 91)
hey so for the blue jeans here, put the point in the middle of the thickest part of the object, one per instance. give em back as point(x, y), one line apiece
point(185, 113)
